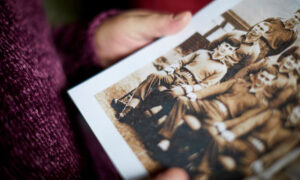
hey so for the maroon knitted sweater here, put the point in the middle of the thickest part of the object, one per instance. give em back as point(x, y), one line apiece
point(37, 138)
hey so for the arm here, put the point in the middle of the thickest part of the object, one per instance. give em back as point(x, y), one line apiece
point(214, 78)
point(210, 80)
point(246, 115)
point(188, 59)
point(173, 67)
point(252, 67)
point(251, 123)
point(284, 95)
point(281, 98)
point(190, 90)
point(215, 89)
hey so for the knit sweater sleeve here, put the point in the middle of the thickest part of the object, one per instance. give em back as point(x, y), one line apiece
point(75, 43)
point(37, 139)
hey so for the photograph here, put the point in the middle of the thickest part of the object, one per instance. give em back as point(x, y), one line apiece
point(222, 104)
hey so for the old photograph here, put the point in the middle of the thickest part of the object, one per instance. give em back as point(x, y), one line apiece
point(222, 104)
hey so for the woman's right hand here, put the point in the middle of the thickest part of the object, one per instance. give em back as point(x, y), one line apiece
point(129, 31)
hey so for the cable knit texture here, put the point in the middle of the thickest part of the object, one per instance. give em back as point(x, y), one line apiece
point(36, 135)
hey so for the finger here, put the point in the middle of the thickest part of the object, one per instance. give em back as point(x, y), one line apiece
point(139, 12)
point(173, 174)
point(159, 24)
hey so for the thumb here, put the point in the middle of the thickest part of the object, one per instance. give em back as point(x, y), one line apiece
point(173, 174)
point(158, 24)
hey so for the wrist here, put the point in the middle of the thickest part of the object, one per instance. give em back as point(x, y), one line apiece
point(94, 35)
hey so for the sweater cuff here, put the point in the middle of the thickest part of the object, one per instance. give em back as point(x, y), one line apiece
point(96, 22)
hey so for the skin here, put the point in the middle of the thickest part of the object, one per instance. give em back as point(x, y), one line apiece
point(173, 174)
point(129, 31)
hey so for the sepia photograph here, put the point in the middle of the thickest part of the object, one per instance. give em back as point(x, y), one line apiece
point(222, 104)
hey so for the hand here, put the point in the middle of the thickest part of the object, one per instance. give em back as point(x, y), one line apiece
point(173, 67)
point(177, 91)
point(169, 70)
point(173, 174)
point(198, 87)
point(192, 96)
point(127, 32)
point(187, 88)
point(228, 135)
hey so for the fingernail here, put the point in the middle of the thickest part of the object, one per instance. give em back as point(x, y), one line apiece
point(179, 16)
